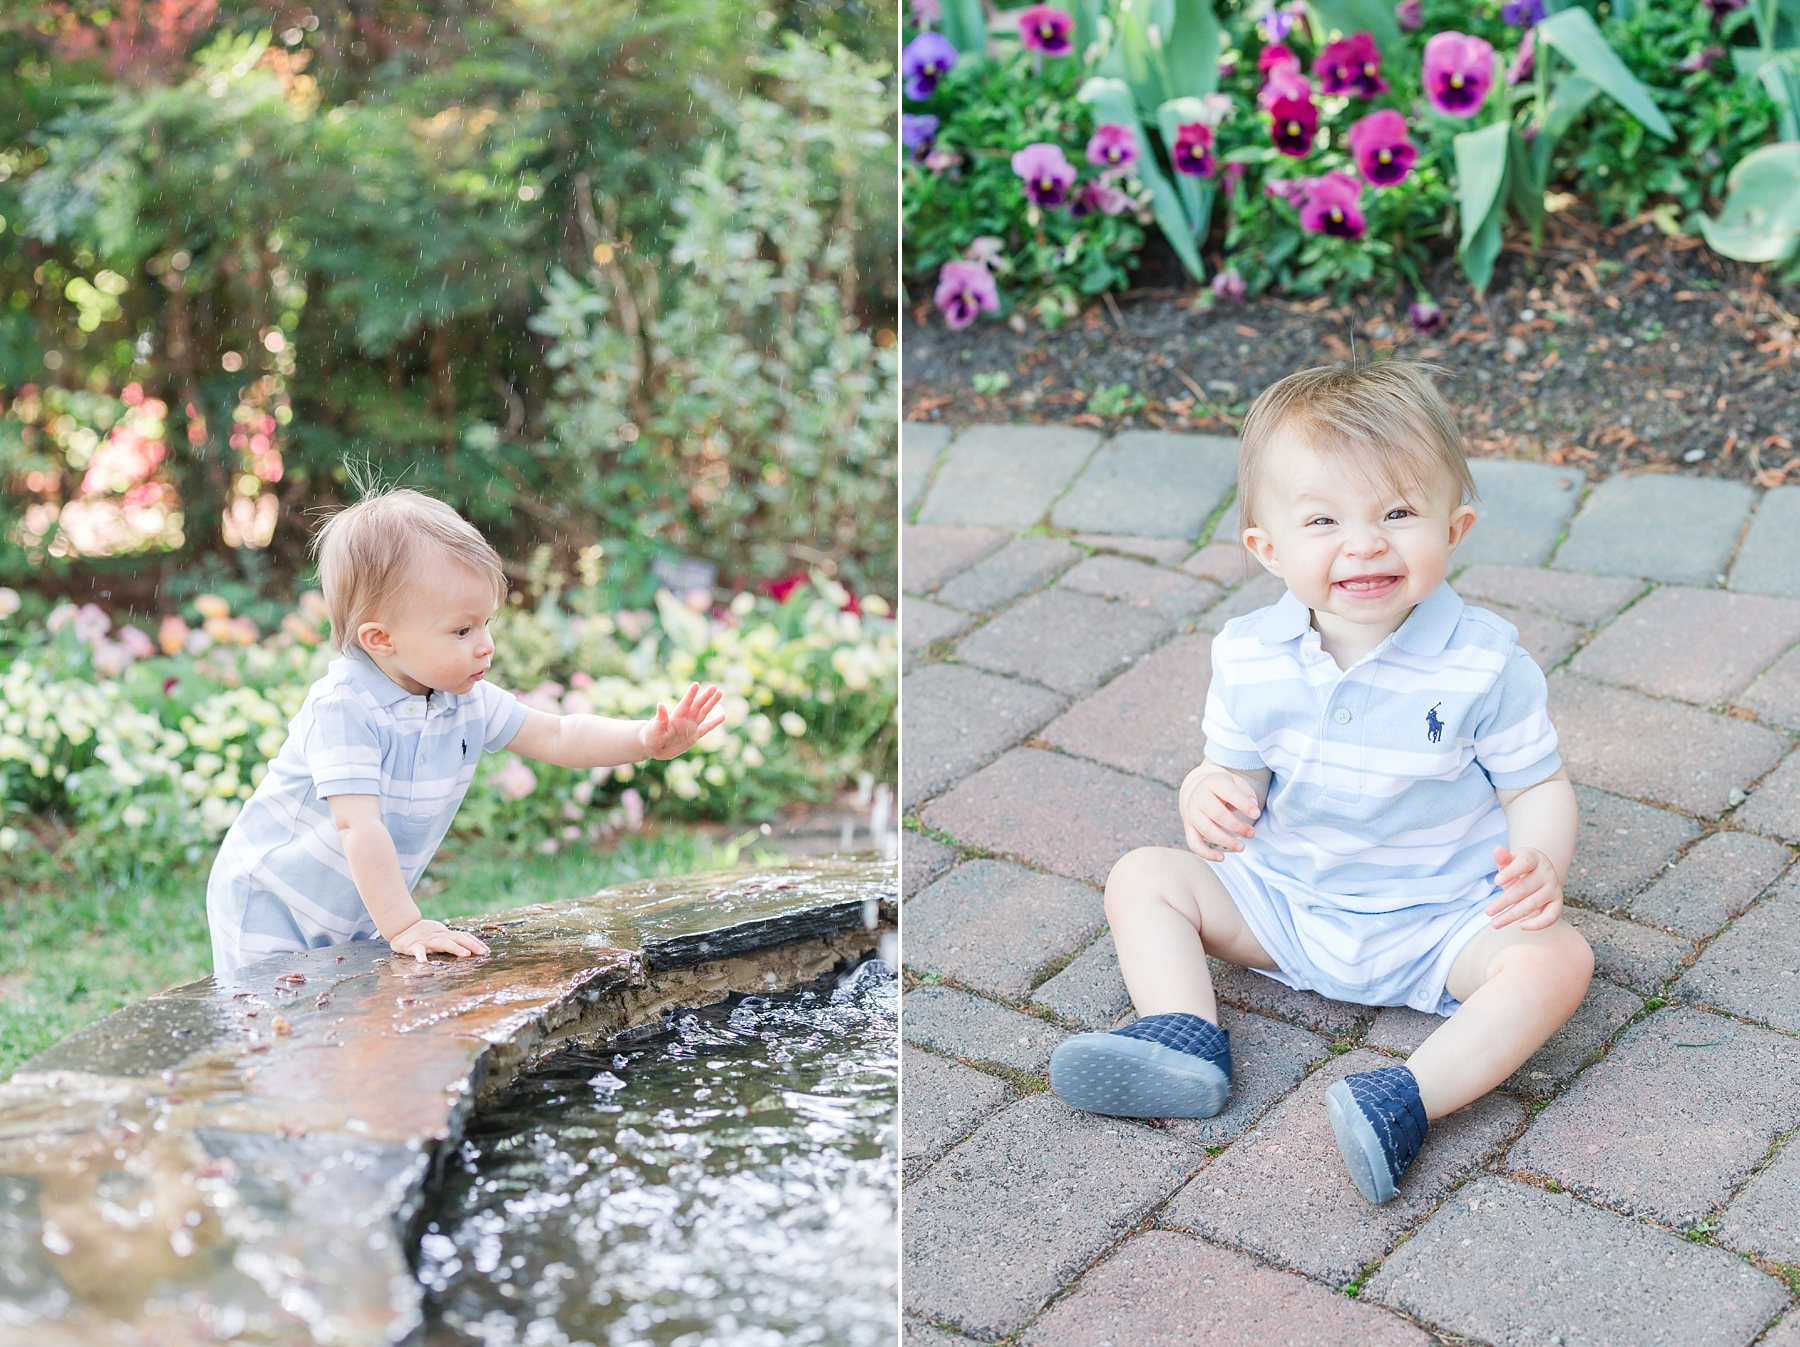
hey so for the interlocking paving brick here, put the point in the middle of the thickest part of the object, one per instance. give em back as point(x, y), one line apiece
point(1167, 1289)
point(1091, 990)
point(922, 859)
point(1604, 1008)
point(1259, 591)
point(1640, 957)
point(1251, 990)
point(1146, 721)
point(1228, 562)
point(944, 1101)
point(1005, 476)
point(1065, 640)
point(1508, 1264)
point(1774, 806)
point(991, 924)
point(1713, 883)
point(1698, 645)
point(961, 1024)
point(1586, 600)
point(1670, 1122)
point(1548, 640)
point(1151, 484)
point(1786, 1333)
point(1753, 969)
point(924, 623)
point(1521, 509)
point(1776, 695)
point(929, 556)
point(1023, 565)
point(1163, 551)
point(919, 450)
point(1680, 530)
point(1226, 528)
point(1132, 582)
point(917, 1332)
point(1655, 750)
point(1268, 1058)
point(1009, 1217)
point(1619, 845)
point(1281, 1189)
point(1057, 813)
point(958, 718)
point(1765, 1218)
point(1769, 560)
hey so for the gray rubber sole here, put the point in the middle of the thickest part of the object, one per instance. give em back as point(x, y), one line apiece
point(1361, 1148)
point(1133, 1078)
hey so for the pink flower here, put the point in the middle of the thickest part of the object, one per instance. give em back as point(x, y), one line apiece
point(138, 645)
point(1112, 146)
point(965, 291)
point(1192, 152)
point(1352, 66)
point(634, 808)
point(989, 251)
point(1523, 64)
point(1459, 71)
point(1331, 205)
point(1048, 176)
point(926, 12)
point(1232, 176)
point(515, 780)
point(1229, 286)
point(1283, 189)
point(1285, 82)
point(1410, 14)
point(1046, 29)
point(1273, 55)
point(1701, 60)
point(91, 622)
point(1293, 126)
point(1425, 316)
point(1100, 196)
point(1384, 153)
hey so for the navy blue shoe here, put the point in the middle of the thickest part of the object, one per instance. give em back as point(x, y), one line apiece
point(1380, 1124)
point(1164, 1066)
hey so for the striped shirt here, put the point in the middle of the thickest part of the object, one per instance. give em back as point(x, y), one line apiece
point(1382, 795)
point(281, 882)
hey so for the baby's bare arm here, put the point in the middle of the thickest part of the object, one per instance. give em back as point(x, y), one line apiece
point(375, 866)
point(1540, 825)
point(598, 741)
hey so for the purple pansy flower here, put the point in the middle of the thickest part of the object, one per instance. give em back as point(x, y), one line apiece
point(1522, 13)
point(1459, 71)
point(1275, 24)
point(1720, 8)
point(926, 60)
point(1285, 82)
point(1098, 195)
point(1330, 205)
point(965, 291)
point(917, 131)
point(1384, 152)
point(1229, 286)
point(1526, 60)
point(1112, 146)
point(1352, 66)
point(1046, 29)
point(1048, 176)
point(1193, 150)
point(1410, 14)
point(1294, 125)
point(1425, 317)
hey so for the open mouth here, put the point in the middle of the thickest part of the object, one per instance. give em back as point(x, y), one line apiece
point(1368, 586)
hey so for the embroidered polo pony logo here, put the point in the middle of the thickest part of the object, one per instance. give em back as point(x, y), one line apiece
point(1434, 728)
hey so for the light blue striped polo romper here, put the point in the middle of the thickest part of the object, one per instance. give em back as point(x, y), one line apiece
point(1373, 859)
point(281, 882)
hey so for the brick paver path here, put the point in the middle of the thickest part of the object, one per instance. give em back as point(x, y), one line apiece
point(1628, 1186)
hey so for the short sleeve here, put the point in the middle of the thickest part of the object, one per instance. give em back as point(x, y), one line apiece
point(343, 747)
point(503, 715)
point(1515, 743)
point(1226, 742)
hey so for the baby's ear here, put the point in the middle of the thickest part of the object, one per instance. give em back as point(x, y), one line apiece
point(1462, 519)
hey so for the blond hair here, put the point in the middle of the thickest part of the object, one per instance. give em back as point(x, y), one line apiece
point(1388, 417)
point(369, 552)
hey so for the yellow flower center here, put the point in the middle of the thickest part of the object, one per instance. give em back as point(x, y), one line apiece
point(1386, 156)
point(1293, 128)
point(1456, 81)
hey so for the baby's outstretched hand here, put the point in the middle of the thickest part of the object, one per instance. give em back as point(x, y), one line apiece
point(426, 936)
point(1210, 814)
point(1531, 890)
point(673, 733)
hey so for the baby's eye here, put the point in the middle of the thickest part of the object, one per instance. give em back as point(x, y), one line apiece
point(465, 631)
point(1321, 519)
point(1400, 513)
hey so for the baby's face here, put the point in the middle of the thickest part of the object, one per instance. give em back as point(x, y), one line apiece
point(439, 631)
point(1350, 545)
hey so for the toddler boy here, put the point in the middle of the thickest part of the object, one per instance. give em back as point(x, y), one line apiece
point(382, 753)
point(1381, 815)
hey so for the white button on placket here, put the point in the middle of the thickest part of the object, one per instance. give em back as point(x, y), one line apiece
point(1341, 715)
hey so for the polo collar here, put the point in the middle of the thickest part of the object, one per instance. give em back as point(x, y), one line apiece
point(1288, 620)
point(372, 680)
point(1426, 630)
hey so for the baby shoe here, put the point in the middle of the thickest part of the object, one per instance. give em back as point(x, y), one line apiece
point(1163, 1066)
point(1380, 1124)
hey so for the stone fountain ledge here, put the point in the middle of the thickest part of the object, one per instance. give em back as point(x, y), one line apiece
point(240, 1160)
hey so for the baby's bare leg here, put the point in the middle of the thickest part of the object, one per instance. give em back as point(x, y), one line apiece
point(1168, 911)
point(1516, 988)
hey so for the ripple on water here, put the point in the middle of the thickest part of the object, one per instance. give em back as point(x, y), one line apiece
point(729, 1179)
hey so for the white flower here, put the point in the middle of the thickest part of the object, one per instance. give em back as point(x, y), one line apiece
point(135, 816)
point(792, 725)
point(9, 839)
point(9, 604)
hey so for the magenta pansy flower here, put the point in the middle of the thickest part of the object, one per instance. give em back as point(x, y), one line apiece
point(1294, 125)
point(1048, 176)
point(1425, 316)
point(1410, 14)
point(1192, 153)
point(1459, 71)
point(1112, 146)
point(965, 291)
point(1525, 62)
point(1352, 66)
point(1273, 55)
point(1229, 286)
point(1331, 205)
point(926, 60)
point(1047, 29)
point(1384, 152)
point(1285, 82)
point(1232, 176)
point(1097, 195)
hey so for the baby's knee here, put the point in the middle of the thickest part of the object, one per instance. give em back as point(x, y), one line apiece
point(1566, 961)
point(1132, 883)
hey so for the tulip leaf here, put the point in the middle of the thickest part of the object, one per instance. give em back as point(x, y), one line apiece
point(1574, 33)
point(965, 25)
point(1480, 174)
point(1372, 16)
point(1478, 258)
point(1192, 49)
point(1112, 101)
point(1142, 64)
point(1087, 25)
point(1567, 102)
point(1779, 72)
point(1761, 219)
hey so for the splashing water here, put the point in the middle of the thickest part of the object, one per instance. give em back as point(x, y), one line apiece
point(730, 1179)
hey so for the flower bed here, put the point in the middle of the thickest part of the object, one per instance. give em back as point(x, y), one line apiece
point(149, 746)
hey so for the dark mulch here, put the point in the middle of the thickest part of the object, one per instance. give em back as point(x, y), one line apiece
point(1612, 348)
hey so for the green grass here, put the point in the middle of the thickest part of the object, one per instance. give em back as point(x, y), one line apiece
point(80, 947)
